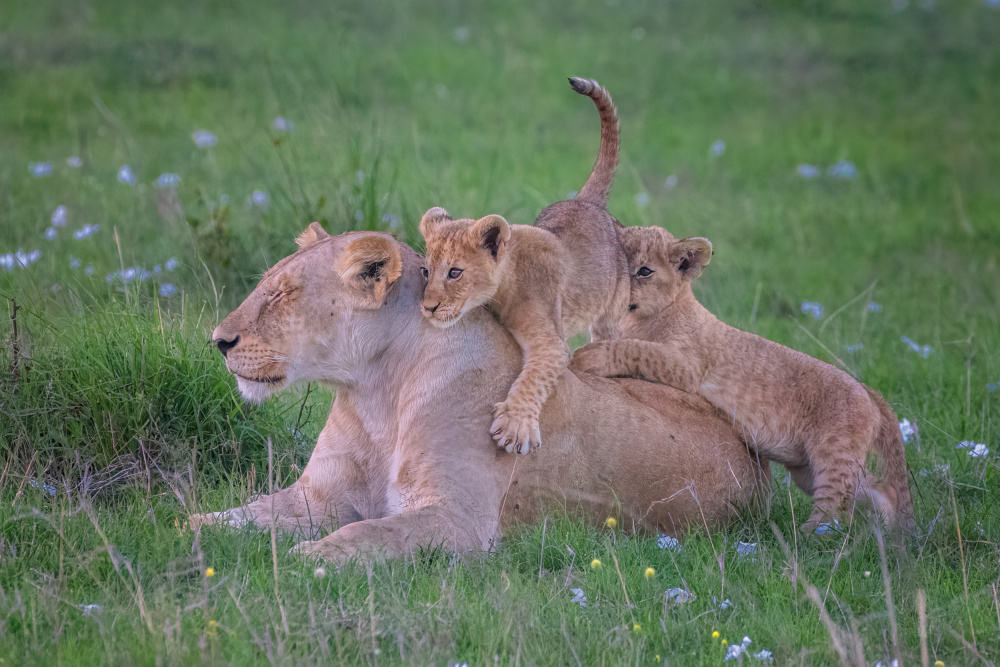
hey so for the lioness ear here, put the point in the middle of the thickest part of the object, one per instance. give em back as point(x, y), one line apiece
point(368, 266)
point(314, 232)
point(431, 218)
point(691, 256)
point(492, 233)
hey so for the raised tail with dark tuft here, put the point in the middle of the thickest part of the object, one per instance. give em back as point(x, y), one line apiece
point(893, 484)
point(598, 186)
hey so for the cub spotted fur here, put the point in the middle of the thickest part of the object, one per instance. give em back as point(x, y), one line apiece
point(816, 420)
point(544, 282)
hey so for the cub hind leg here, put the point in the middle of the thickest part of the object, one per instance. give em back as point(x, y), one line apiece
point(838, 472)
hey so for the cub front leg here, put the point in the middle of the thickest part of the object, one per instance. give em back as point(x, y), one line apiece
point(546, 355)
point(656, 362)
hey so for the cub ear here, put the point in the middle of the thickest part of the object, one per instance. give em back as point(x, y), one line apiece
point(691, 256)
point(492, 232)
point(314, 232)
point(368, 266)
point(432, 218)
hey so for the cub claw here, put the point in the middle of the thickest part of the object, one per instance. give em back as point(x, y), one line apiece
point(513, 431)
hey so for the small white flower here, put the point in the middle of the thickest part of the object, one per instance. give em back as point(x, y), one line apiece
point(319, 572)
point(907, 430)
point(461, 33)
point(641, 199)
point(168, 180)
point(392, 220)
point(167, 290)
point(873, 307)
point(74, 161)
point(923, 350)
point(50, 233)
point(842, 169)
point(125, 175)
point(827, 527)
point(679, 595)
point(579, 596)
point(813, 307)
point(87, 230)
point(718, 147)
point(204, 139)
point(59, 216)
point(892, 663)
point(725, 604)
point(260, 199)
point(807, 170)
point(764, 655)
point(74, 263)
point(668, 542)
point(40, 169)
point(976, 450)
point(89, 609)
point(736, 650)
point(746, 548)
point(89, 270)
point(282, 124)
point(671, 182)
point(170, 264)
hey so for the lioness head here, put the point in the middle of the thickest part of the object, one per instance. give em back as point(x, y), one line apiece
point(661, 266)
point(463, 263)
point(305, 319)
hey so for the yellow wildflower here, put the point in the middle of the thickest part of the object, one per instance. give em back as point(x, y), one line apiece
point(724, 643)
point(938, 663)
point(611, 522)
point(210, 572)
point(636, 627)
point(650, 572)
point(715, 634)
point(594, 564)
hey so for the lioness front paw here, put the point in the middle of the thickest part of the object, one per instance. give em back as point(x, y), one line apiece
point(593, 358)
point(515, 430)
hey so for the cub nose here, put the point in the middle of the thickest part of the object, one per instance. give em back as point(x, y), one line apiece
point(226, 345)
point(431, 310)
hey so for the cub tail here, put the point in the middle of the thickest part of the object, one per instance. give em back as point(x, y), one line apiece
point(598, 186)
point(892, 490)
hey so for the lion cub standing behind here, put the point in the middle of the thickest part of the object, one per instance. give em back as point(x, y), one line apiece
point(816, 420)
point(544, 282)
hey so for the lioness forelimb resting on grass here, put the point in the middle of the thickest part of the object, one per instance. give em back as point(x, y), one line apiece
point(405, 460)
point(816, 420)
point(544, 282)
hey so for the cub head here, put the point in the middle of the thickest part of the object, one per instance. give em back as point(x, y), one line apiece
point(463, 264)
point(305, 319)
point(661, 267)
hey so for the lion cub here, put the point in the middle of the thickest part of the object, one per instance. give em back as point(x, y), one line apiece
point(544, 282)
point(816, 420)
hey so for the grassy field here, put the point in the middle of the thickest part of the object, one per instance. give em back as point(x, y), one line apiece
point(845, 153)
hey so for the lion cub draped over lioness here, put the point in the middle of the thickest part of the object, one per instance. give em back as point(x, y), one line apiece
point(816, 420)
point(544, 282)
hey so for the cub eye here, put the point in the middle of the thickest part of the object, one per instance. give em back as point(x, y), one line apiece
point(644, 272)
point(423, 271)
point(455, 274)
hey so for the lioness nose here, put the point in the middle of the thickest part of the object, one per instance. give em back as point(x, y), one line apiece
point(431, 310)
point(226, 345)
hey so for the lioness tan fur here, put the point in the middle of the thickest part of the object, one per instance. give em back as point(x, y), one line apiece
point(405, 462)
point(816, 420)
point(544, 282)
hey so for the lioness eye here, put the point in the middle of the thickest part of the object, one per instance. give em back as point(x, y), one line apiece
point(644, 272)
point(423, 270)
point(454, 274)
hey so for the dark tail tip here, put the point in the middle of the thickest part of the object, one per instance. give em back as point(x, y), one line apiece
point(582, 86)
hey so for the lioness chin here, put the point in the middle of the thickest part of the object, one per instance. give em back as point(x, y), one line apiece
point(816, 420)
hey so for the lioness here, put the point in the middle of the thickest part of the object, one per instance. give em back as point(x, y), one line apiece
point(544, 282)
point(404, 460)
point(816, 420)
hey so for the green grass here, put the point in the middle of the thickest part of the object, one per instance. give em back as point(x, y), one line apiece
point(119, 403)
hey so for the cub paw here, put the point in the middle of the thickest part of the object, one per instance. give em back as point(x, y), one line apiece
point(515, 430)
point(594, 358)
